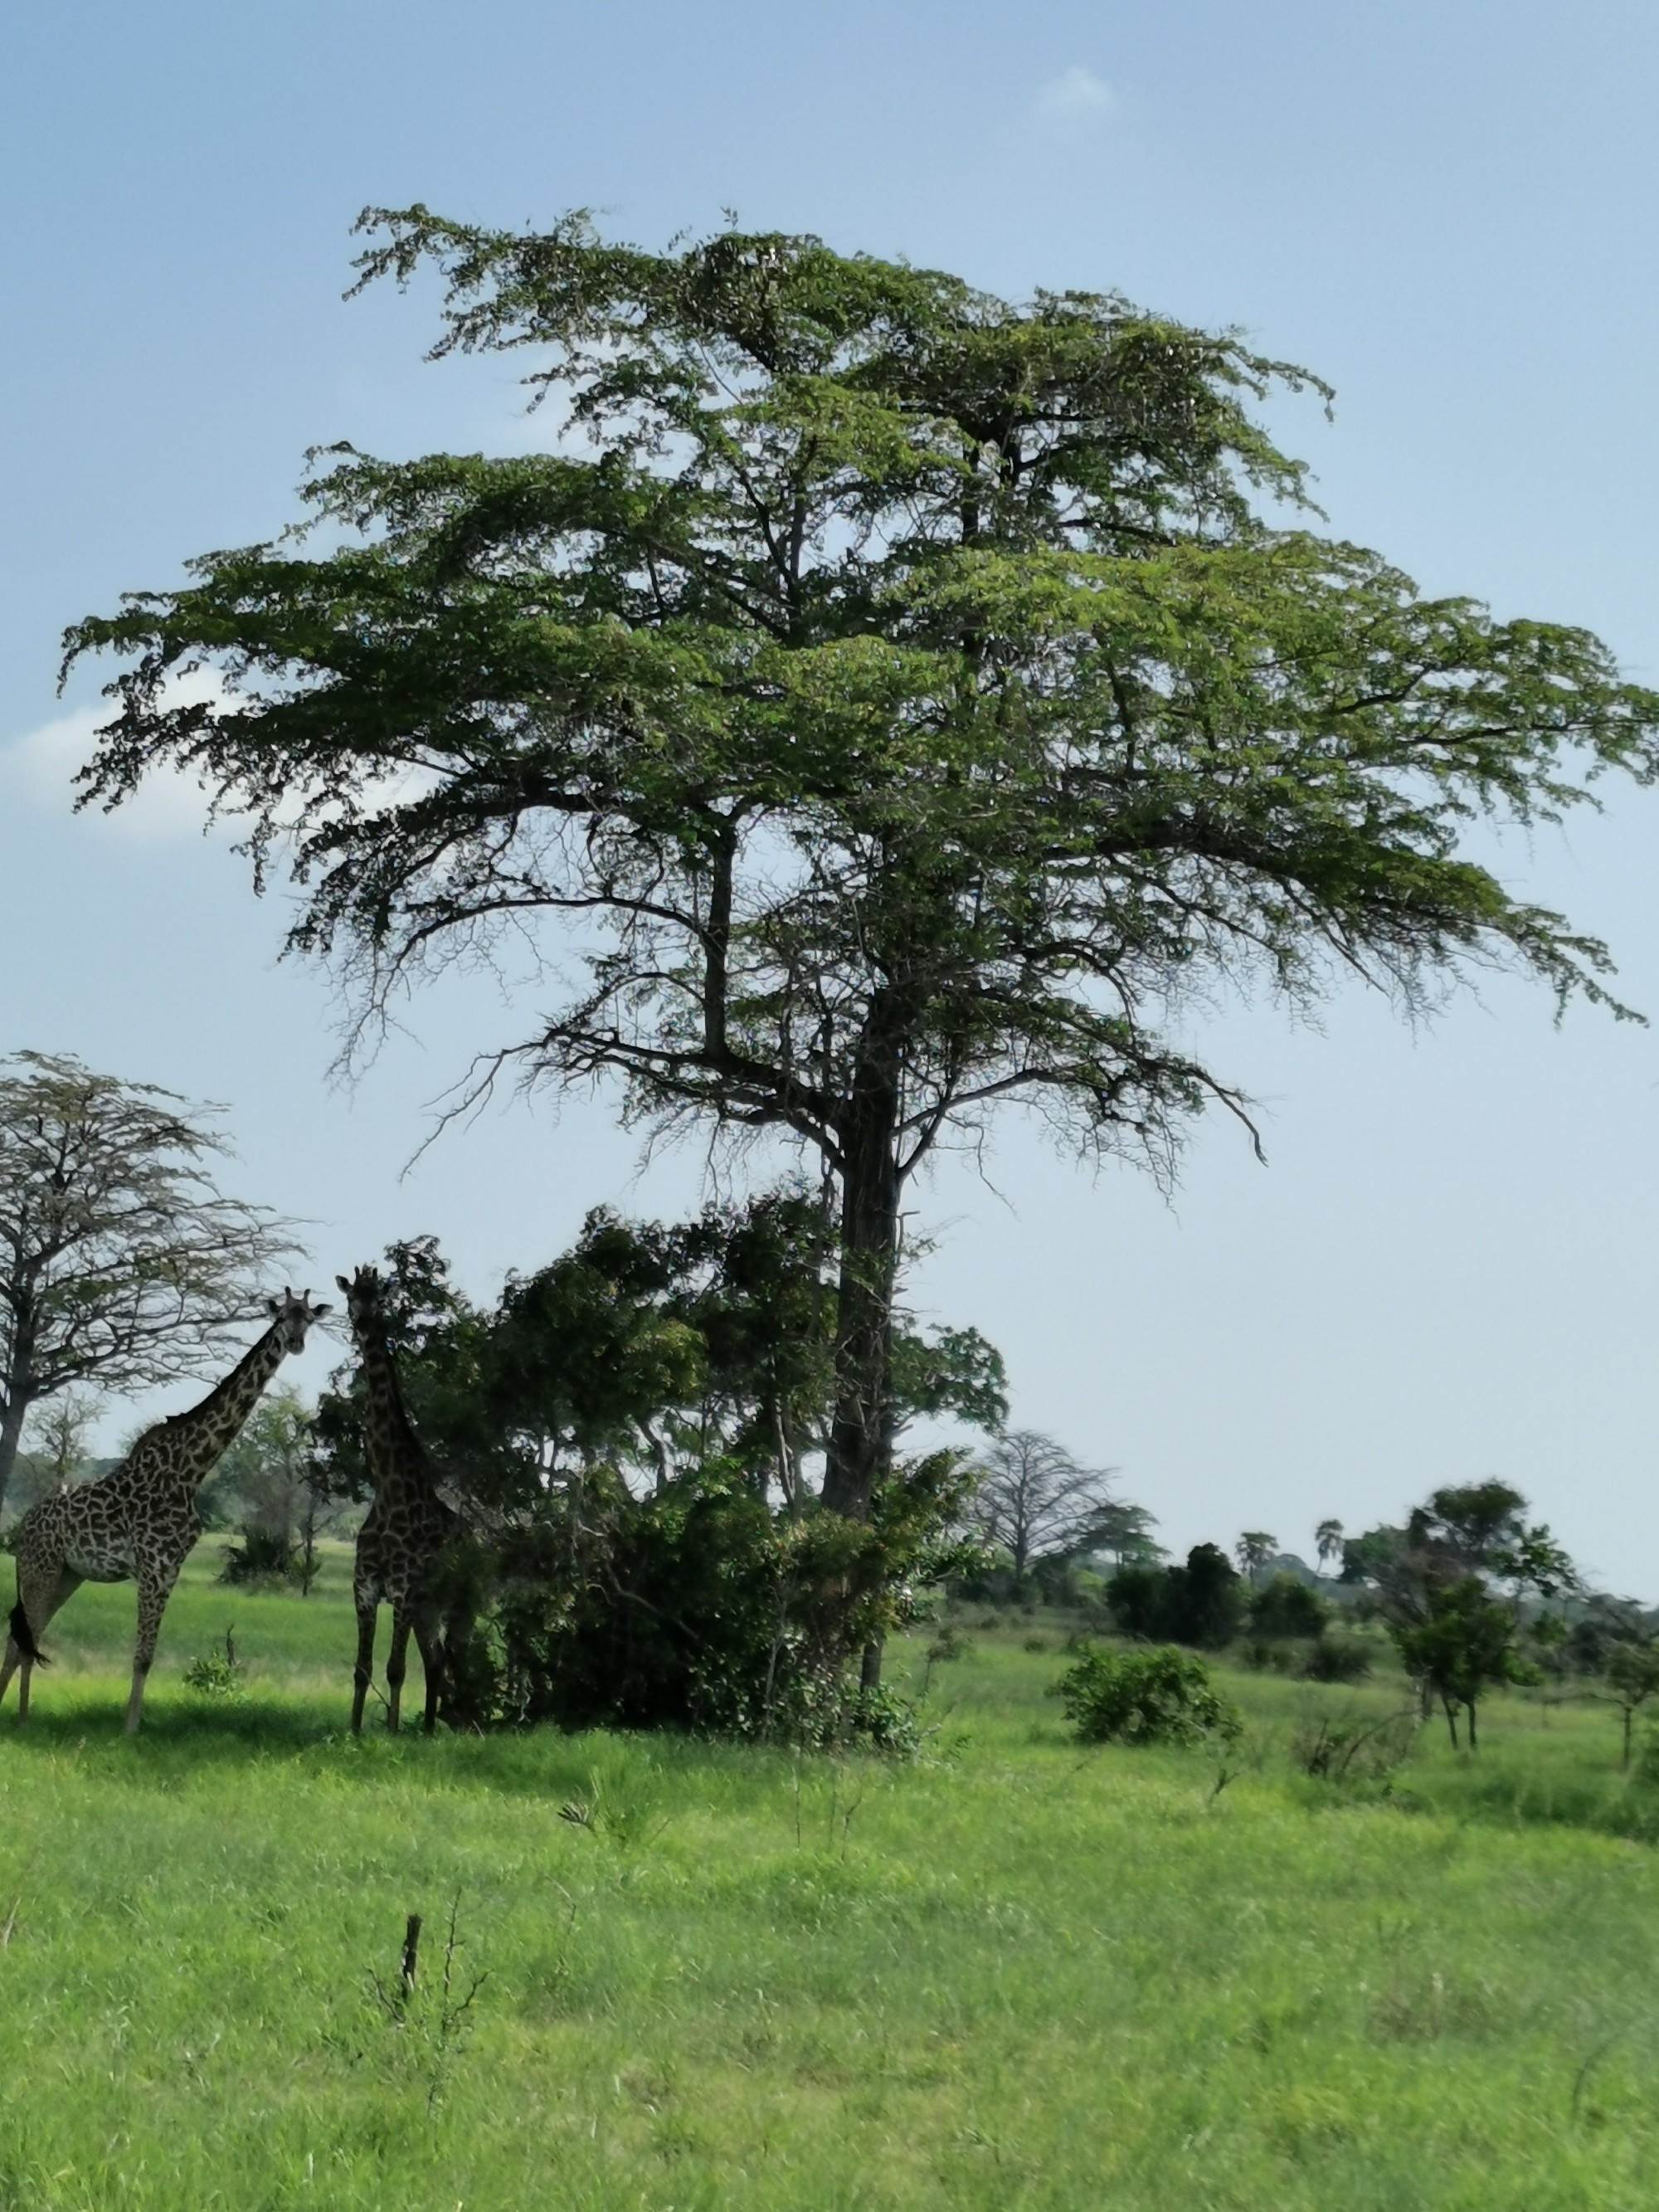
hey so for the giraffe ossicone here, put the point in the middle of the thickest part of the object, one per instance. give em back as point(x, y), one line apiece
point(138, 1522)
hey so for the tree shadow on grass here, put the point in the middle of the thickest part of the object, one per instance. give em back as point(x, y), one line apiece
point(211, 1738)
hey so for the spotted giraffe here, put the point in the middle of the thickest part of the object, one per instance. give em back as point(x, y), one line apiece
point(410, 1547)
point(138, 1522)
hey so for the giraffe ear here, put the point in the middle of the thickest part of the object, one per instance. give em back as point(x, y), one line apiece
point(273, 1307)
point(344, 1285)
point(317, 1312)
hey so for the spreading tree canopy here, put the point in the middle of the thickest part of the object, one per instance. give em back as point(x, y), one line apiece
point(884, 701)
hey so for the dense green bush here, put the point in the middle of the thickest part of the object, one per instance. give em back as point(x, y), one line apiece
point(1285, 1607)
point(1157, 1696)
point(1201, 1603)
point(258, 1555)
point(701, 1606)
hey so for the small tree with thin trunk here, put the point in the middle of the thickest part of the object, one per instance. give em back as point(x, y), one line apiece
point(1463, 1645)
point(911, 702)
point(123, 1266)
point(1327, 1542)
point(1632, 1677)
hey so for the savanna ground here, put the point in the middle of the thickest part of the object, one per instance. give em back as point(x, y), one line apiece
point(1011, 1973)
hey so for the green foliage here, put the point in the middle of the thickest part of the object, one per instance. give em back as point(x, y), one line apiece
point(217, 1674)
point(1475, 1529)
point(1285, 1607)
point(1450, 1586)
point(699, 1607)
point(654, 1349)
point(260, 1555)
point(1464, 1645)
point(1156, 1696)
point(1201, 1603)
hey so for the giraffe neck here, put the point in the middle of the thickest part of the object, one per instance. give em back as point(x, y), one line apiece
point(386, 1411)
point(199, 1438)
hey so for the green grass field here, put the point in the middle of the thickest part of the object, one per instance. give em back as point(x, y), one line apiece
point(1009, 1974)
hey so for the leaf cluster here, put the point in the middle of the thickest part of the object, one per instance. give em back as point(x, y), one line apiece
point(1202, 1602)
point(897, 660)
point(1159, 1695)
point(697, 1607)
point(652, 1348)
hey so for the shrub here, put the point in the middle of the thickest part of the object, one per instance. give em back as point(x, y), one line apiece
point(700, 1608)
point(217, 1674)
point(1157, 1696)
point(1201, 1603)
point(1336, 1659)
point(1285, 1607)
point(263, 1555)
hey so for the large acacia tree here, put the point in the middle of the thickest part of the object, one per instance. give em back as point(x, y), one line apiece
point(882, 702)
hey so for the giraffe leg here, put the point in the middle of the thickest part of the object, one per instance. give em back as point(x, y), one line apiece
point(153, 1596)
point(432, 1660)
point(363, 1673)
point(39, 1597)
point(457, 1639)
point(396, 1664)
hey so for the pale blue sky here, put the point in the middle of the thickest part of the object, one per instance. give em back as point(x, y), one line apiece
point(1448, 210)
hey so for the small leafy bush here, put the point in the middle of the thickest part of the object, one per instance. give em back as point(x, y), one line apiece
point(217, 1674)
point(261, 1555)
point(1286, 1606)
point(1157, 1696)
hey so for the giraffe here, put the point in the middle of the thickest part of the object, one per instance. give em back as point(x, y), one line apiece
point(408, 1531)
point(138, 1523)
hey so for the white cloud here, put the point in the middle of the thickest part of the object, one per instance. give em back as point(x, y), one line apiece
point(1074, 98)
point(39, 767)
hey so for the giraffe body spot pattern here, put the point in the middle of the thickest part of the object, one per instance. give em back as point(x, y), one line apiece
point(138, 1522)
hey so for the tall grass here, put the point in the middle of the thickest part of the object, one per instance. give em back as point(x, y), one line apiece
point(1011, 1974)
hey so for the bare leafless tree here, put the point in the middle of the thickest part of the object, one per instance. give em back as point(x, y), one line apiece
point(1035, 1500)
point(57, 1442)
point(122, 1264)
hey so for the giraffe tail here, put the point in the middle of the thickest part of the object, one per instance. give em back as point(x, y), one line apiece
point(23, 1637)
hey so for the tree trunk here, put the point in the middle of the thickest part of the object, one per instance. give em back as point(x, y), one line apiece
point(1630, 1716)
point(1474, 1743)
point(1451, 1719)
point(860, 1434)
point(11, 1434)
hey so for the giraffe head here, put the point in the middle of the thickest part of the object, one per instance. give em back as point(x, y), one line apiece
point(362, 1295)
point(293, 1316)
